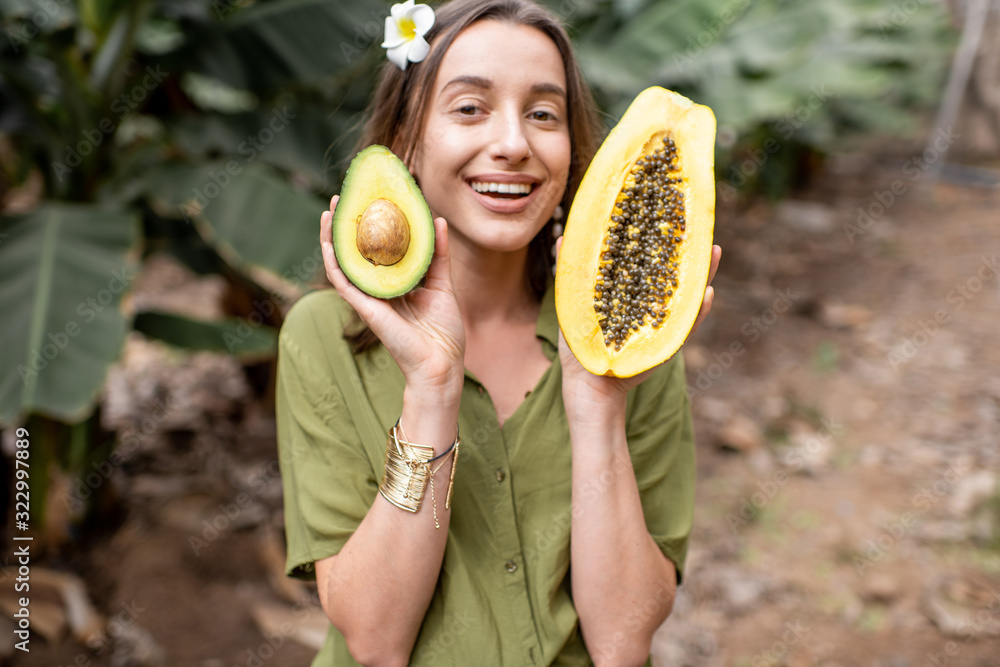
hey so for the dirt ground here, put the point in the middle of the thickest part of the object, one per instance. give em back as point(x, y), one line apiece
point(848, 422)
point(849, 441)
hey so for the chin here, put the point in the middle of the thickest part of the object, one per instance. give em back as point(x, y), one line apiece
point(512, 239)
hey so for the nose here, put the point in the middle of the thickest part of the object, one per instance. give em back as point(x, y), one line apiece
point(509, 141)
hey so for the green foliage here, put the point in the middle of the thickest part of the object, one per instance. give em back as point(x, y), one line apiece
point(210, 129)
point(248, 339)
point(253, 219)
point(64, 270)
point(784, 77)
point(215, 122)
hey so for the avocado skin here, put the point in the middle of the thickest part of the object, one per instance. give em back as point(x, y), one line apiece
point(376, 173)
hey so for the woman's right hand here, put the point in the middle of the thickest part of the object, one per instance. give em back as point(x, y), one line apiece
point(423, 329)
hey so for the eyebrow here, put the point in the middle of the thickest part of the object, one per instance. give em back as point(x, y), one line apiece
point(541, 88)
point(486, 84)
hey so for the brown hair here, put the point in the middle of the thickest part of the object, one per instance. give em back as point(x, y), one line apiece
point(399, 105)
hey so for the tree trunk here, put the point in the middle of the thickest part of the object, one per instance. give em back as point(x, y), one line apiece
point(979, 118)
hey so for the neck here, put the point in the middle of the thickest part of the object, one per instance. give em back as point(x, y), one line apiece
point(490, 286)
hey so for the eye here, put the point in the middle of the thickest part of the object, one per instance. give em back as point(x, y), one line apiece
point(467, 110)
point(543, 116)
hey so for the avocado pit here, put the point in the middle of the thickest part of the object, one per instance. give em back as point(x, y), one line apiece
point(383, 234)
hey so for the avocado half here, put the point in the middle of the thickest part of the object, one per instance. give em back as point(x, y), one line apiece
point(383, 232)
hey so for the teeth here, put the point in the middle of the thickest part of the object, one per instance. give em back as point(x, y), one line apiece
point(502, 188)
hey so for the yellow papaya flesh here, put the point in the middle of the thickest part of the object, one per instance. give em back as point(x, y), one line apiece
point(637, 248)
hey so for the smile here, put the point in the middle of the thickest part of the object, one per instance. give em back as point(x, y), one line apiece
point(490, 188)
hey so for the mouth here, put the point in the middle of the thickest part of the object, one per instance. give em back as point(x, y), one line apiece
point(496, 190)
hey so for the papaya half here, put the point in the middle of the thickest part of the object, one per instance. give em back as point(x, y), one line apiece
point(637, 248)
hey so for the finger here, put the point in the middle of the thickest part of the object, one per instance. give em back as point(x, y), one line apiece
point(326, 241)
point(706, 308)
point(716, 257)
point(439, 272)
point(563, 347)
point(362, 303)
point(337, 278)
point(559, 242)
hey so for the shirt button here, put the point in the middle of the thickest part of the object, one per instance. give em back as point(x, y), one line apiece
point(511, 566)
point(500, 475)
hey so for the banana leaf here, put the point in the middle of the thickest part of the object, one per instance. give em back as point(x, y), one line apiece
point(251, 217)
point(248, 339)
point(64, 269)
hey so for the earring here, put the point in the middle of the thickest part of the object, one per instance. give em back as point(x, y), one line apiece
point(558, 213)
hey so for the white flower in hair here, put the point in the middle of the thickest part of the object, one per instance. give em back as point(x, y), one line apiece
point(405, 28)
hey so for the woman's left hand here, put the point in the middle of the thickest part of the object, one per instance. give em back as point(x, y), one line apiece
point(588, 396)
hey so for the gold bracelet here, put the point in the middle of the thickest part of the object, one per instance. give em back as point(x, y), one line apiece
point(408, 471)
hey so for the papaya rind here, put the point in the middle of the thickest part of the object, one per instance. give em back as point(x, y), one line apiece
point(654, 113)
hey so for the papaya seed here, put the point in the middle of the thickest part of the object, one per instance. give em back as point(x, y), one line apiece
point(647, 222)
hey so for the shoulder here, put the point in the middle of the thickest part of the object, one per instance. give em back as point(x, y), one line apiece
point(313, 332)
point(321, 307)
point(316, 318)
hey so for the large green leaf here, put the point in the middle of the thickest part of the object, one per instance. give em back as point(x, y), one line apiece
point(757, 62)
point(269, 45)
point(253, 219)
point(310, 142)
point(246, 338)
point(63, 271)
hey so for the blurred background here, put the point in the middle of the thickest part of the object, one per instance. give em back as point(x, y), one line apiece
point(163, 165)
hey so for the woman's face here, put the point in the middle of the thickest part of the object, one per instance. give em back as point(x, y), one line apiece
point(495, 152)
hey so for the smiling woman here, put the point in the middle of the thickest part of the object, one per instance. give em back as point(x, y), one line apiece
point(499, 124)
point(421, 558)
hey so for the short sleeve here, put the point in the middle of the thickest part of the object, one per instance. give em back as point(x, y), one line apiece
point(328, 479)
point(661, 443)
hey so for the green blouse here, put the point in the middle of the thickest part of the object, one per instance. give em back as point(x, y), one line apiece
point(503, 596)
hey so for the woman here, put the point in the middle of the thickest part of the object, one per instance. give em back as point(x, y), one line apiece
point(548, 451)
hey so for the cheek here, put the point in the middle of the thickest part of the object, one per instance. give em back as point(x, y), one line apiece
point(438, 133)
point(559, 156)
point(443, 154)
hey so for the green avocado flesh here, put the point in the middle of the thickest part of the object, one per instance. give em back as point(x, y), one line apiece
point(383, 232)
